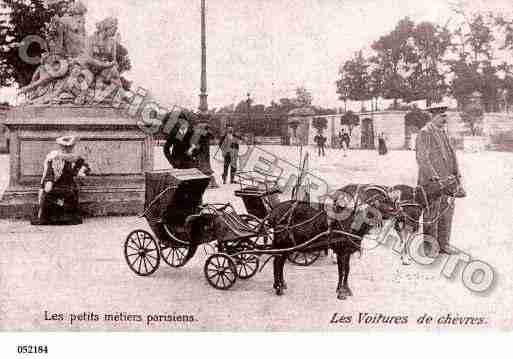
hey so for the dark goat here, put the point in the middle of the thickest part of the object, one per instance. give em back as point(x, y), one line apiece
point(340, 227)
point(412, 203)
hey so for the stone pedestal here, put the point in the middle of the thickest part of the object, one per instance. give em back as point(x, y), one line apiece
point(118, 152)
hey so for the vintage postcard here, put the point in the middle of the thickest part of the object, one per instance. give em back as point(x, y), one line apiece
point(284, 165)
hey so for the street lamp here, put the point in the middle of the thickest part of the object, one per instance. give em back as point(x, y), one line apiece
point(248, 101)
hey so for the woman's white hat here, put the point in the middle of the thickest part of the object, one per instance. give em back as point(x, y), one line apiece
point(67, 141)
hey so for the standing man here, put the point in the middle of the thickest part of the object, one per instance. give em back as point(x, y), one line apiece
point(320, 140)
point(382, 144)
point(230, 148)
point(345, 141)
point(437, 160)
point(178, 149)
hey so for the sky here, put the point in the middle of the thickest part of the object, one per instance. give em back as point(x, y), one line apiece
point(265, 47)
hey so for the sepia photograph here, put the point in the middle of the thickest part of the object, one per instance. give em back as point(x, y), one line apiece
point(255, 166)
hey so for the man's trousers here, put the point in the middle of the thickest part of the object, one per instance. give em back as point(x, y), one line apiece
point(437, 220)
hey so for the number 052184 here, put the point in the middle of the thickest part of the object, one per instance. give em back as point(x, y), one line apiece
point(32, 349)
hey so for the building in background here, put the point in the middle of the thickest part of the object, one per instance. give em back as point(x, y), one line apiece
point(4, 135)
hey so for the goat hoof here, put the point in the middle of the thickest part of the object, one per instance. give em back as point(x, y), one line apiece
point(341, 296)
point(279, 291)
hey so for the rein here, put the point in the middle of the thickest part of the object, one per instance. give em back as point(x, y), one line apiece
point(443, 185)
point(290, 214)
point(352, 238)
point(440, 213)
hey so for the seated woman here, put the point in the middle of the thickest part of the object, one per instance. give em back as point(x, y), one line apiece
point(58, 196)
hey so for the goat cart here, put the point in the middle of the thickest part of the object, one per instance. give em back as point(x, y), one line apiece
point(180, 223)
point(260, 193)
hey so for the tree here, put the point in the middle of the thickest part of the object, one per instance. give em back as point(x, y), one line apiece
point(474, 70)
point(351, 120)
point(491, 86)
point(320, 124)
point(19, 19)
point(466, 80)
point(303, 97)
point(376, 81)
point(242, 106)
point(395, 54)
point(416, 118)
point(480, 38)
point(506, 27)
point(472, 115)
point(343, 88)
point(353, 83)
point(427, 80)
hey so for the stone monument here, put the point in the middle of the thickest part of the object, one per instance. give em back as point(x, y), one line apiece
point(77, 89)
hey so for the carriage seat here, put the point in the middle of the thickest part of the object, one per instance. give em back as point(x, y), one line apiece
point(228, 225)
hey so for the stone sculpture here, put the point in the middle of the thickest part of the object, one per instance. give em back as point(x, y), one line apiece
point(77, 70)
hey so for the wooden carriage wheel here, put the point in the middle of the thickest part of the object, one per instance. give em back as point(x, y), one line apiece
point(304, 259)
point(176, 256)
point(220, 271)
point(142, 253)
point(246, 264)
point(174, 253)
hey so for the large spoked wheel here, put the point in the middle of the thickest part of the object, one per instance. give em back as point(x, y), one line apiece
point(304, 259)
point(246, 264)
point(142, 253)
point(220, 271)
point(175, 256)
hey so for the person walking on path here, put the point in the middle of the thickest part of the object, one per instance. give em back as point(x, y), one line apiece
point(344, 141)
point(382, 145)
point(230, 149)
point(436, 160)
point(321, 141)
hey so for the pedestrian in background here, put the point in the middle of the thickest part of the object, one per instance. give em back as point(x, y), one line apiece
point(230, 149)
point(321, 141)
point(382, 145)
point(344, 142)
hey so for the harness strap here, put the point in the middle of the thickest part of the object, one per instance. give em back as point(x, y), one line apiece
point(440, 213)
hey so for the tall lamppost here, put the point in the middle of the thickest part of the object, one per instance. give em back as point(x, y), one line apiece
point(204, 155)
point(203, 106)
point(248, 102)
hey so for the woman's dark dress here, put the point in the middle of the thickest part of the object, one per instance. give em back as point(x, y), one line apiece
point(382, 146)
point(61, 205)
